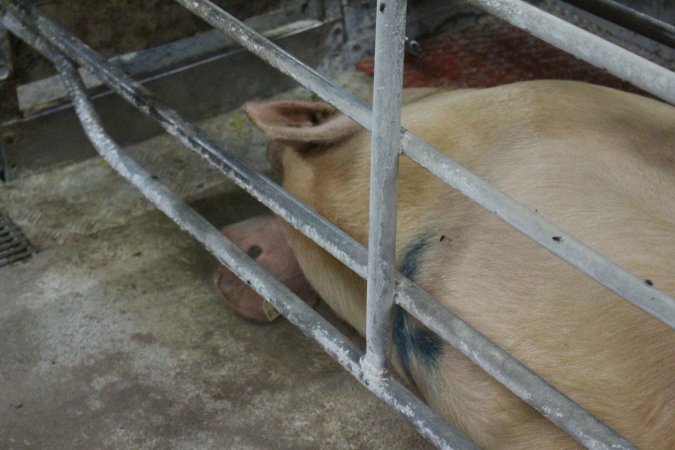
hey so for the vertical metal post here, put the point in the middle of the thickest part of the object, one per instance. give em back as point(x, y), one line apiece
point(9, 103)
point(386, 147)
point(5, 55)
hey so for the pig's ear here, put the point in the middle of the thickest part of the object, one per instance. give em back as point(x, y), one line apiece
point(301, 122)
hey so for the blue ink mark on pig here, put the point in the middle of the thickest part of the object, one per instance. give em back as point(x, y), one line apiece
point(412, 339)
point(415, 341)
point(410, 264)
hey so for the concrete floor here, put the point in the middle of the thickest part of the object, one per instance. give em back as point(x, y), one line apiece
point(113, 336)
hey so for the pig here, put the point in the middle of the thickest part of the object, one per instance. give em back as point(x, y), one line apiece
point(598, 162)
point(262, 239)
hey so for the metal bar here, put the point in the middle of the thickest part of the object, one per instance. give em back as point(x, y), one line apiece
point(629, 18)
point(12, 245)
point(615, 278)
point(628, 66)
point(9, 110)
point(293, 308)
point(155, 63)
point(12, 249)
point(6, 66)
point(15, 257)
point(53, 135)
point(386, 147)
point(321, 231)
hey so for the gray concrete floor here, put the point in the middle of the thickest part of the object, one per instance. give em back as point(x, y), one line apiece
point(113, 336)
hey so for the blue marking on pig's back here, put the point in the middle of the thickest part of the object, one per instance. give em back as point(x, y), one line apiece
point(412, 256)
point(412, 339)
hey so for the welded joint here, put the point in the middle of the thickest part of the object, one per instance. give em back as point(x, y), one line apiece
point(372, 371)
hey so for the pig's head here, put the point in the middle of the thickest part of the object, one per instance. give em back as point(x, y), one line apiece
point(323, 162)
point(324, 158)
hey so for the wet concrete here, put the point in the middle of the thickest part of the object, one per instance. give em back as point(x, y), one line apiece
point(113, 336)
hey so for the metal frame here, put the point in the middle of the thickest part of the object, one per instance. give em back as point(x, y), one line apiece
point(203, 62)
point(386, 147)
point(385, 285)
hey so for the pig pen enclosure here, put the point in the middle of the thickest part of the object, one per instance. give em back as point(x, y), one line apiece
point(38, 128)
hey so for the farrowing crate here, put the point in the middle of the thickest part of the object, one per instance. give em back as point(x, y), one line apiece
point(386, 287)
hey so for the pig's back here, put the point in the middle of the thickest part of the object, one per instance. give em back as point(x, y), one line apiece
point(599, 164)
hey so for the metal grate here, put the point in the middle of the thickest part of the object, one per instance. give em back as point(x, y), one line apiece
point(14, 246)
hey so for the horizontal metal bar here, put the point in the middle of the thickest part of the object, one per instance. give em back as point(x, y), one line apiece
point(321, 231)
point(628, 66)
point(293, 308)
point(13, 246)
point(53, 136)
point(15, 257)
point(386, 148)
point(629, 18)
point(601, 269)
point(150, 64)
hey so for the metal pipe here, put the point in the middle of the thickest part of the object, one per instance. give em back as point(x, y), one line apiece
point(6, 65)
point(630, 19)
point(329, 237)
point(628, 66)
point(386, 147)
point(605, 272)
point(293, 308)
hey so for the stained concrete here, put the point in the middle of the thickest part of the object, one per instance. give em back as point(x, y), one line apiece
point(113, 336)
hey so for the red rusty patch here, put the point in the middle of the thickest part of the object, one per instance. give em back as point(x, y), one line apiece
point(492, 53)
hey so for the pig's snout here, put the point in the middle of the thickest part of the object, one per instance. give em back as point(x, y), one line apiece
point(262, 239)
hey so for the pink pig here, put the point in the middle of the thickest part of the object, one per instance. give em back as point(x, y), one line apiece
point(597, 162)
point(263, 240)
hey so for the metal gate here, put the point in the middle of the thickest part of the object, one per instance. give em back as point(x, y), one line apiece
point(386, 287)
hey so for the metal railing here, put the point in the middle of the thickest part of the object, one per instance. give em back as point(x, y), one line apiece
point(385, 285)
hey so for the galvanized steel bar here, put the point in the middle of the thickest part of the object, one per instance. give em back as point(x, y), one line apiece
point(628, 66)
point(605, 272)
point(6, 65)
point(386, 147)
point(293, 308)
point(630, 19)
point(328, 236)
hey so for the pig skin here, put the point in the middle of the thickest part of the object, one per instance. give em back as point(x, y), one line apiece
point(263, 239)
point(597, 162)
